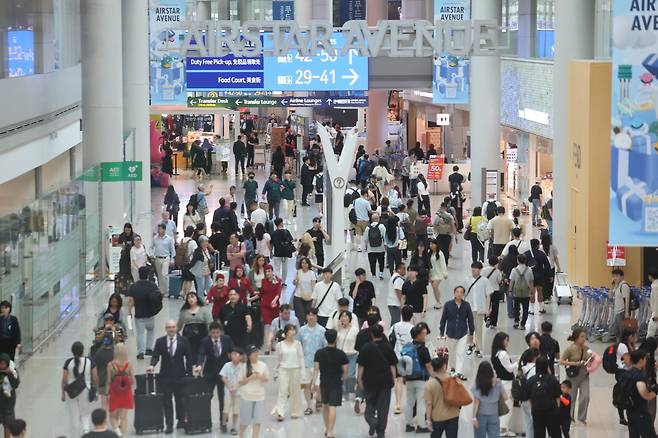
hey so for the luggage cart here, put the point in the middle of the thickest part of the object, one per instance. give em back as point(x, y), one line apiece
point(260, 156)
point(562, 290)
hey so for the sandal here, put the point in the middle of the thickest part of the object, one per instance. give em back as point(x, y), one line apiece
point(397, 411)
point(308, 411)
point(279, 418)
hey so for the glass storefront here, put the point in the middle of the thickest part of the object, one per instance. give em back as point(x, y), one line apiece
point(39, 272)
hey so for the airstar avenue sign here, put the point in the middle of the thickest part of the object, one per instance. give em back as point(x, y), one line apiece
point(393, 38)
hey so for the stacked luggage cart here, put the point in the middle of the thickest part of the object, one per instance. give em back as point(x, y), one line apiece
point(597, 315)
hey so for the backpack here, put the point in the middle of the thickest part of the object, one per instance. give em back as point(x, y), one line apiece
point(634, 299)
point(519, 385)
point(540, 394)
point(413, 187)
point(352, 216)
point(418, 371)
point(443, 223)
point(482, 231)
point(319, 183)
point(610, 359)
point(491, 210)
point(182, 257)
point(621, 392)
point(374, 236)
point(521, 288)
point(194, 201)
point(155, 301)
point(121, 383)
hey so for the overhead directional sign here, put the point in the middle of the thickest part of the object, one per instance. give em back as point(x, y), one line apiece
point(325, 72)
point(295, 102)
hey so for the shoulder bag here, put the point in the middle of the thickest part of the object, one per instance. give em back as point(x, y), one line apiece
point(78, 385)
point(454, 392)
point(324, 297)
point(471, 286)
point(573, 371)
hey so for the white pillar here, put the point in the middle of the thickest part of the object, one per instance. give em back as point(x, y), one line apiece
point(102, 98)
point(322, 10)
point(485, 93)
point(224, 9)
point(303, 12)
point(574, 39)
point(377, 115)
point(414, 10)
point(136, 104)
point(202, 10)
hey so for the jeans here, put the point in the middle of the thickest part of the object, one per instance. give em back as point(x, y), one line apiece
point(450, 427)
point(302, 308)
point(393, 257)
point(374, 258)
point(510, 306)
point(239, 164)
point(378, 401)
point(395, 314)
point(350, 383)
point(488, 426)
point(549, 225)
point(415, 398)
point(477, 249)
point(203, 284)
point(518, 303)
point(536, 208)
point(616, 324)
point(527, 419)
point(141, 325)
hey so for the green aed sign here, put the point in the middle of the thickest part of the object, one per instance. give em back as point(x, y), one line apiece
point(121, 171)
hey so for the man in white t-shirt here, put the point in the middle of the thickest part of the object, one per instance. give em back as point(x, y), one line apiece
point(395, 292)
point(495, 278)
point(478, 295)
point(325, 296)
point(520, 244)
point(259, 215)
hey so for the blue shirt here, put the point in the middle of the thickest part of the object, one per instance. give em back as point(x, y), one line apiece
point(163, 246)
point(171, 228)
point(457, 321)
point(489, 402)
point(362, 208)
point(312, 340)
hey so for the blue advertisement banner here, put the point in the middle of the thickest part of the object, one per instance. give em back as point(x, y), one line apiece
point(283, 73)
point(352, 10)
point(20, 53)
point(451, 73)
point(283, 10)
point(634, 136)
point(167, 68)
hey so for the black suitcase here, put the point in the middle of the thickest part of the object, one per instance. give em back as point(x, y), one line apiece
point(141, 386)
point(198, 418)
point(194, 386)
point(149, 409)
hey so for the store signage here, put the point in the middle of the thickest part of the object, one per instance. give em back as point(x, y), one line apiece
point(634, 158)
point(291, 72)
point(121, 171)
point(283, 10)
point(616, 255)
point(435, 168)
point(491, 185)
point(443, 119)
point(394, 38)
point(512, 154)
point(285, 101)
point(452, 71)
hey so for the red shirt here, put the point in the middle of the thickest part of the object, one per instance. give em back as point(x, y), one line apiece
point(244, 288)
point(218, 299)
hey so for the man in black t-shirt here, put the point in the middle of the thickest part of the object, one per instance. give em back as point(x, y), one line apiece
point(319, 235)
point(282, 247)
point(331, 366)
point(362, 292)
point(414, 294)
point(455, 179)
point(640, 424)
point(100, 430)
point(535, 199)
point(236, 319)
point(377, 361)
point(139, 292)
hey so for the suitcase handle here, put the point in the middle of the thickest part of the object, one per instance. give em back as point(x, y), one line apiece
point(150, 382)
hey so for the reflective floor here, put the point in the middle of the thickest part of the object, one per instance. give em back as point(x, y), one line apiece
point(39, 394)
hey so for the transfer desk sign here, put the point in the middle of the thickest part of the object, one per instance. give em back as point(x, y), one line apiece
point(634, 127)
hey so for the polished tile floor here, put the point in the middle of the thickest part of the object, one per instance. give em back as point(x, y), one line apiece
point(39, 395)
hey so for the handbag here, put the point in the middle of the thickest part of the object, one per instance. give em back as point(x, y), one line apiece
point(573, 371)
point(78, 385)
point(628, 323)
point(454, 392)
point(503, 409)
point(468, 232)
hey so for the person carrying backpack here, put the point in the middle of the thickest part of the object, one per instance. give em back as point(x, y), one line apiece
point(444, 227)
point(520, 283)
point(543, 391)
point(541, 271)
point(621, 293)
point(374, 245)
point(638, 393)
point(146, 299)
point(420, 370)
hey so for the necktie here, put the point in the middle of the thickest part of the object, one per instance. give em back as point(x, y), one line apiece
point(171, 346)
point(217, 349)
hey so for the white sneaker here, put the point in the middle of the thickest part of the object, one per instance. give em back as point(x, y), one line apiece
point(381, 275)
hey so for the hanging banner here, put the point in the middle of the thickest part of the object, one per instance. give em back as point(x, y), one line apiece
point(351, 10)
point(634, 136)
point(451, 73)
point(283, 10)
point(167, 68)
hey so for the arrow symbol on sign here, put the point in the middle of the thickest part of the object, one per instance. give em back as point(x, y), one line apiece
point(330, 101)
point(238, 101)
point(354, 76)
point(284, 102)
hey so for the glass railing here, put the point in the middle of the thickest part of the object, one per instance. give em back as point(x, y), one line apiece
point(49, 255)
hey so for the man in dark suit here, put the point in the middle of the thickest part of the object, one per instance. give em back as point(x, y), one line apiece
point(176, 363)
point(214, 352)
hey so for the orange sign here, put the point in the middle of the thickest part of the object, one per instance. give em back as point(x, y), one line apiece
point(435, 168)
point(616, 255)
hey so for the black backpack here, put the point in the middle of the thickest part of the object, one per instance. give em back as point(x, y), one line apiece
point(374, 236)
point(540, 393)
point(609, 361)
point(621, 392)
point(155, 301)
point(491, 210)
point(413, 188)
point(519, 384)
point(352, 216)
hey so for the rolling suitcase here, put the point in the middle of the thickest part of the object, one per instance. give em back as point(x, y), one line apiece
point(175, 285)
point(149, 409)
point(562, 289)
point(142, 384)
point(198, 417)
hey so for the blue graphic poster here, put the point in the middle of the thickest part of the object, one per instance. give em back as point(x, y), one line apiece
point(283, 10)
point(451, 73)
point(20, 51)
point(167, 68)
point(634, 136)
point(352, 10)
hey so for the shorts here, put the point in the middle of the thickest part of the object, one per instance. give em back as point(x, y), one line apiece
point(251, 412)
point(6, 415)
point(318, 199)
point(331, 395)
point(231, 403)
point(360, 227)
